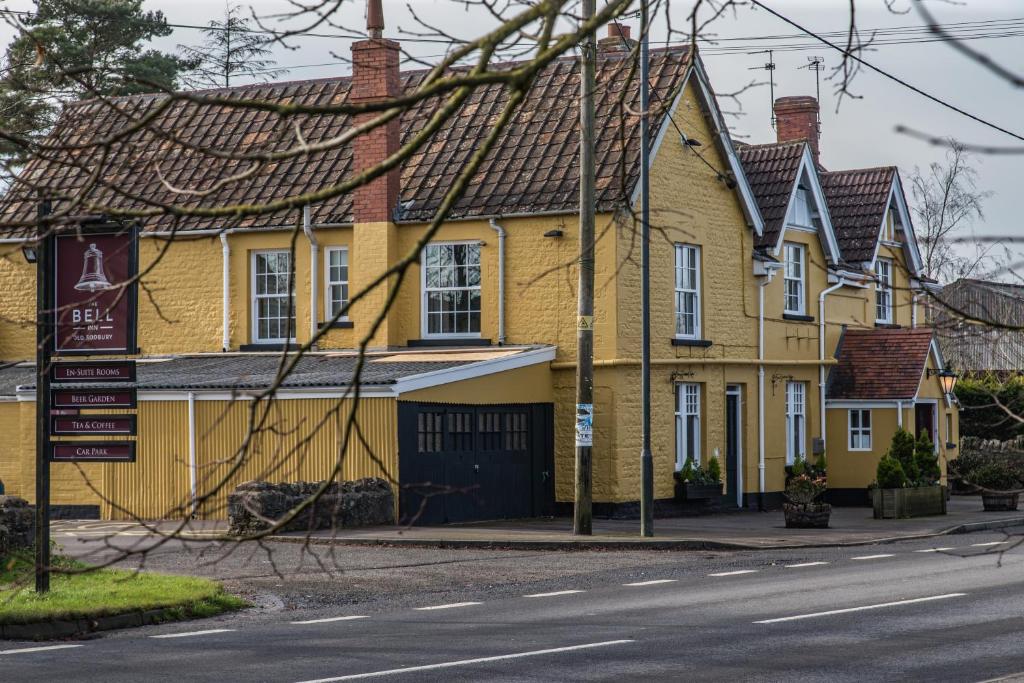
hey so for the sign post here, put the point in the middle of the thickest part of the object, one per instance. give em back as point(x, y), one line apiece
point(86, 304)
point(44, 334)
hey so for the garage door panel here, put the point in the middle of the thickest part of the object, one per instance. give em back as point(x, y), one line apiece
point(488, 462)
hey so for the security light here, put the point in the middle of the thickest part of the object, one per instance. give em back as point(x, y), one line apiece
point(30, 252)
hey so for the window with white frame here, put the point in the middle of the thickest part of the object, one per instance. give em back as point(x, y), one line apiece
point(687, 424)
point(451, 290)
point(336, 272)
point(796, 421)
point(687, 291)
point(860, 430)
point(273, 301)
point(802, 213)
point(794, 280)
point(883, 291)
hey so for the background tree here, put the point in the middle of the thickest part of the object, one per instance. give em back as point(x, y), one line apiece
point(946, 202)
point(70, 49)
point(231, 49)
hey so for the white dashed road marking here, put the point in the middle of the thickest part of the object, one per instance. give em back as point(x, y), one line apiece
point(861, 609)
point(41, 648)
point(194, 633)
point(329, 619)
point(449, 605)
point(651, 583)
point(934, 550)
point(985, 545)
point(872, 557)
point(735, 573)
point(805, 564)
point(466, 662)
point(552, 594)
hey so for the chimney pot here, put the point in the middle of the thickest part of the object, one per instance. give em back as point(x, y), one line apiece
point(796, 118)
point(618, 39)
point(374, 19)
point(617, 30)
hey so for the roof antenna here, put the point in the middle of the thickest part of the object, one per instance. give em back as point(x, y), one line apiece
point(817, 65)
point(374, 19)
point(769, 67)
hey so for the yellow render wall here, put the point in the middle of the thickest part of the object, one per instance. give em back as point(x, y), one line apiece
point(785, 339)
point(17, 314)
point(531, 384)
point(856, 469)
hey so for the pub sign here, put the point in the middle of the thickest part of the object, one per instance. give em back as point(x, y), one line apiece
point(95, 295)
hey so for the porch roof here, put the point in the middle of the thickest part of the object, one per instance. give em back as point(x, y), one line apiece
point(879, 364)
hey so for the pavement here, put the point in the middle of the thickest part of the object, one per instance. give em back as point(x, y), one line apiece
point(944, 609)
point(738, 530)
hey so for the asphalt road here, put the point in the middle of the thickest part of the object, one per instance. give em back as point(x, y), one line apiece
point(897, 611)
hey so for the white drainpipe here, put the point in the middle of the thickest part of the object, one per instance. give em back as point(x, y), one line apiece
point(913, 310)
point(192, 474)
point(899, 414)
point(225, 248)
point(821, 354)
point(760, 392)
point(314, 270)
point(501, 279)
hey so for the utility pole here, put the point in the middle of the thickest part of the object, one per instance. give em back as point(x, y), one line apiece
point(44, 316)
point(582, 523)
point(646, 460)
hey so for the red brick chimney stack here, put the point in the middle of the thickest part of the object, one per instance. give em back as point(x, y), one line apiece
point(796, 118)
point(618, 39)
point(375, 78)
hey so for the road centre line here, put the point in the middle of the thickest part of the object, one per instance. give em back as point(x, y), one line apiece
point(329, 619)
point(449, 605)
point(467, 662)
point(860, 609)
point(990, 543)
point(934, 550)
point(805, 564)
point(735, 573)
point(552, 594)
point(873, 557)
point(41, 648)
point(194, 633)
point(652, 582)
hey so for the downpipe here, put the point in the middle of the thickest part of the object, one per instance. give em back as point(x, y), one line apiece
point(821, 357)
point(225, 248)
point(501, 279)
point(314, 269)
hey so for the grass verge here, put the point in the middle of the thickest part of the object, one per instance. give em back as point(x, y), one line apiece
point(104, 592)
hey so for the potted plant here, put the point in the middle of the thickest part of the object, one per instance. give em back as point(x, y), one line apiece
point(802, 509)
point(907, 479)
point(999, 487)
point(696, 483)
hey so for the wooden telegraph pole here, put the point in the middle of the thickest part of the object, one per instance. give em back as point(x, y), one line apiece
point(582, 517)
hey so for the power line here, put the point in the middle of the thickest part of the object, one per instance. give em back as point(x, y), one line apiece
point(888, 75)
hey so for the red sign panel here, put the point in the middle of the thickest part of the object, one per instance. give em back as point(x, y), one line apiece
point(93, 424)
point(94, 304)
point(93, 398)
point(93, 371)
point(90, 451)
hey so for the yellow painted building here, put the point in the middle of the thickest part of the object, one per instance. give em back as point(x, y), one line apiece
point(466, 401)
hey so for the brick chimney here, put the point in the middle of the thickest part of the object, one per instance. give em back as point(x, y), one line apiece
point(796, 118)
point(375, 78)
point(618, 39)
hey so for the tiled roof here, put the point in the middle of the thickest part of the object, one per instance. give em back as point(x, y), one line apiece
point(880, 364)
point(771, 170)
point(533, 168)
point(257, 371)
point(857, 200)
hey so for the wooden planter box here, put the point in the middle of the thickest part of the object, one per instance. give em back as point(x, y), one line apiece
point(916, 502)
point(813, 516)
point(1000, 502)
point(686, 491)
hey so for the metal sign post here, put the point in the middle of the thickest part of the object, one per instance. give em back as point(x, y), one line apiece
point(44, 333)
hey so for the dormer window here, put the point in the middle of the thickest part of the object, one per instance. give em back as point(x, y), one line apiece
point(794, 279)
point(883, 291)
point(891, 223)
point(802, 214)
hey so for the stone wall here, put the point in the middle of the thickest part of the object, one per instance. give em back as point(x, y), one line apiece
point(17, 524)
point(255, 505)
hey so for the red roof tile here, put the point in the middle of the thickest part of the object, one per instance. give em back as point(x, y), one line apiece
point(879, 364)
point(533, 168)
point(771, 171)
point(857, 201)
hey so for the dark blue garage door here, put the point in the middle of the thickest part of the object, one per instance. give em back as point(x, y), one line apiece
point(463, 463)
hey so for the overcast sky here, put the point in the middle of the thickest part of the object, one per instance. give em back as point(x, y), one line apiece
point(860, 134)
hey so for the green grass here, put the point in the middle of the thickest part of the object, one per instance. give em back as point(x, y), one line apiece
point(104, 592)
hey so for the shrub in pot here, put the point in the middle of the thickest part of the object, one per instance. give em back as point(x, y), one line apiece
point(696, 483)
point(927, 460)
point(890, 474)
point(999, 487)
point(802, 509)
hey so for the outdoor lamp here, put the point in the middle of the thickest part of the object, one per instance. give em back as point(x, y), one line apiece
point(30, 252)
point(947, 378)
